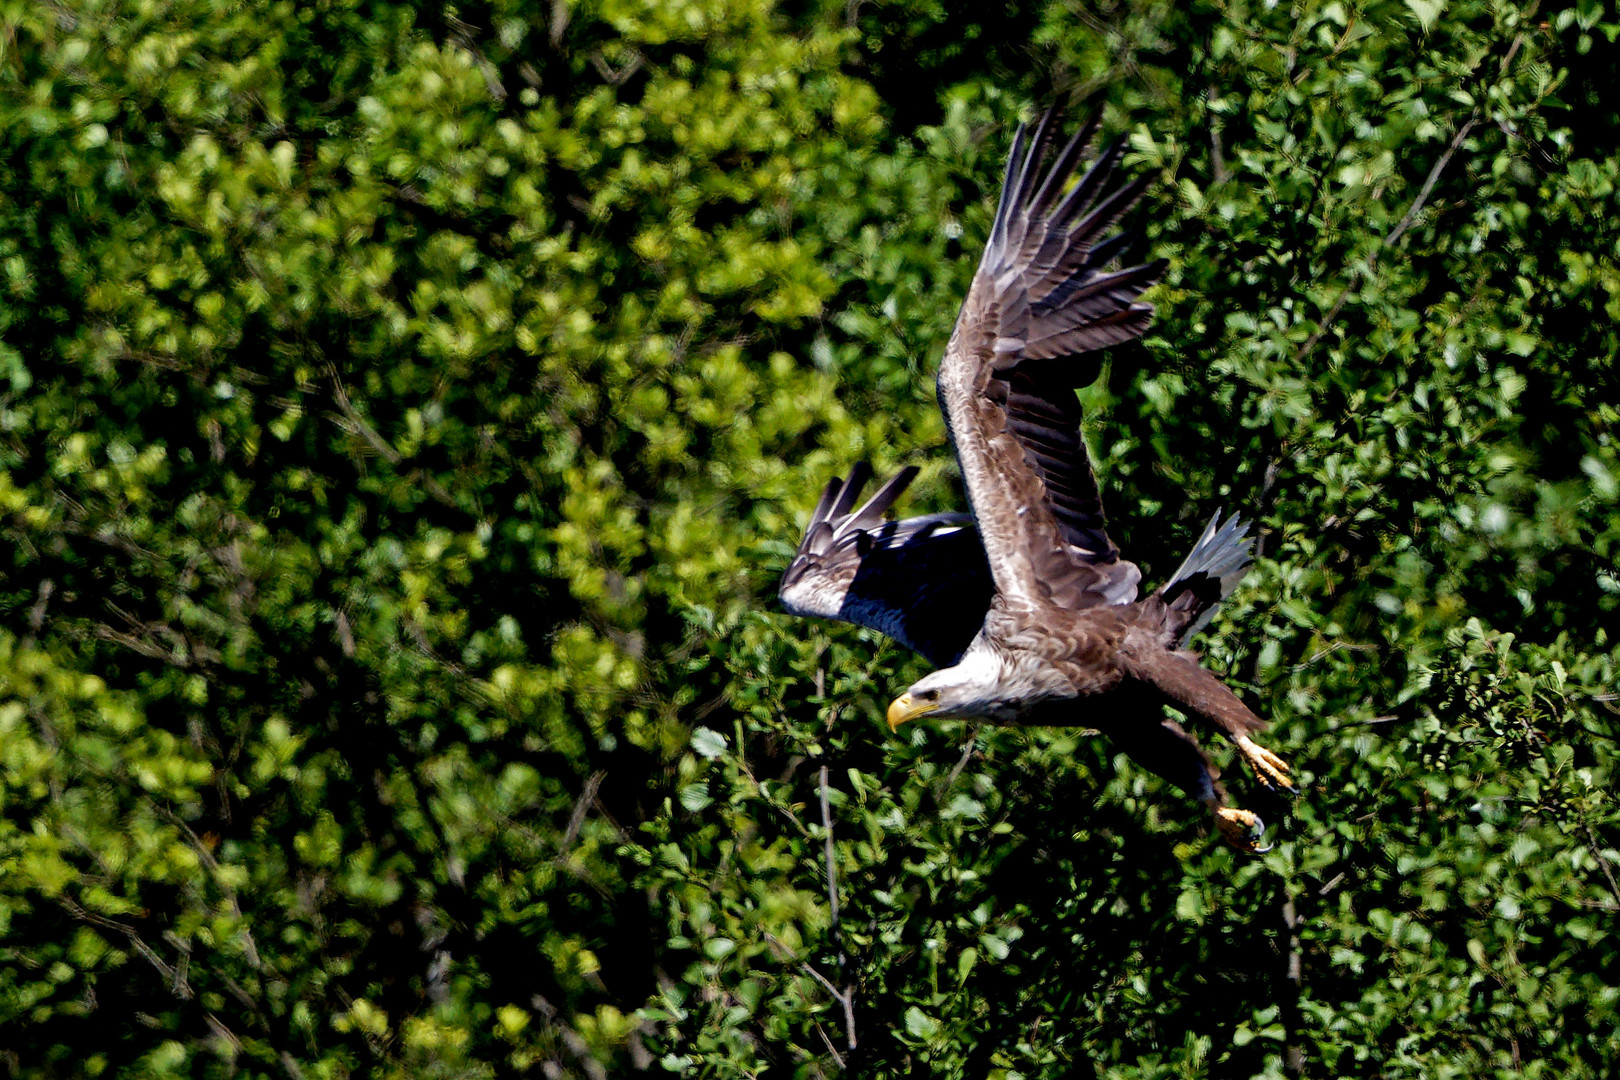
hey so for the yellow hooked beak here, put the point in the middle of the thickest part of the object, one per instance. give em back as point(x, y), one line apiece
point(903, 708)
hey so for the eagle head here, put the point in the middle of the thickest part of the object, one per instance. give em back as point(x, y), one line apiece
point(972, 689)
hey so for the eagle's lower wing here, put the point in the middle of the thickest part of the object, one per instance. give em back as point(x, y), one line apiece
point(923, 581)
point(1170, 751)
point(1007, 383)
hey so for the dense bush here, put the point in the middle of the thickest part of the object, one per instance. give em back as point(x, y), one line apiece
point(407, 410)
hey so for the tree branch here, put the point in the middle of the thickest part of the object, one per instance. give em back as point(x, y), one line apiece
point(576, 820)
point(845, 997)
point(1597, 853)
point(1219, 173)
point(1429, 182)
point(961, 763)
point(1393, 237)
point(175, 977)
point(1294, 1054)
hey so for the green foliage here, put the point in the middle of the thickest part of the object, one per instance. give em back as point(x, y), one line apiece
point(405, 412)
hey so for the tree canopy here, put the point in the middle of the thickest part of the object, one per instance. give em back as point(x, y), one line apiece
point(405, 413)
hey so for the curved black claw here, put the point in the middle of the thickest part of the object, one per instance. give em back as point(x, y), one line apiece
point(1243, 829)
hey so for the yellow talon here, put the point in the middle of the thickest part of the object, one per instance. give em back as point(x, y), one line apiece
point(1271, 770)
point(1243, 829)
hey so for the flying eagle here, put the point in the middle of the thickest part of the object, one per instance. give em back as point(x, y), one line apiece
point(1025, 605)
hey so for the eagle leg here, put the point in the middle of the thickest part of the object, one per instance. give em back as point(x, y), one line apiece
point(1271, 770)
point(1165, 748)
point(1243, 829)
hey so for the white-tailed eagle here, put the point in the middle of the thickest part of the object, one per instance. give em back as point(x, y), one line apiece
point(1025, 604)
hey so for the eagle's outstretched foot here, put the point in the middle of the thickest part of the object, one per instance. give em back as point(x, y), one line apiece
point(1271, 770)
point(1243, 829)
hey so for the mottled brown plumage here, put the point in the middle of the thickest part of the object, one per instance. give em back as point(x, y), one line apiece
point(1026, 605)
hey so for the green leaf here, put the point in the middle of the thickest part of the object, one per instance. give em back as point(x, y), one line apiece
point(1426, 11)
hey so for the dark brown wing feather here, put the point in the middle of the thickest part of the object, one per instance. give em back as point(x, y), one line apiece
point(1040, 296)
point(1168, 749)
point(1183, 683)
point(923, 581)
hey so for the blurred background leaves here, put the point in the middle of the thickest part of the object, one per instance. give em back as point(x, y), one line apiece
point(405, 411)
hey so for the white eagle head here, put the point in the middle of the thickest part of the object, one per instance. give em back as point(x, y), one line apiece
point(971, 690)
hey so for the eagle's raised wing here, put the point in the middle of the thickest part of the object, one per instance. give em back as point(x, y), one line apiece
point(1007, 383)
point(922, 581)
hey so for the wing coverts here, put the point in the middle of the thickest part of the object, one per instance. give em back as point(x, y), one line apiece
point(923, 581)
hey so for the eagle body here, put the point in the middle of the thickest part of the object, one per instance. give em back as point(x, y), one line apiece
point(1040, 663)
point(1025, 604)
point(1027, 674)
